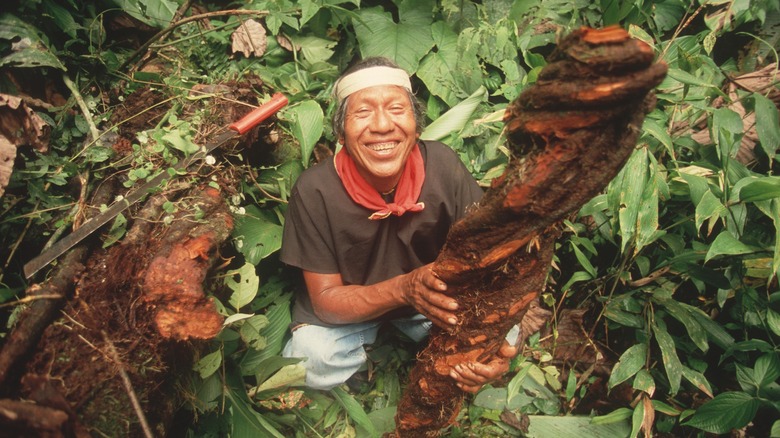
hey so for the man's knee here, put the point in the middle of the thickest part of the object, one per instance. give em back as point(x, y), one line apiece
point(330, 357)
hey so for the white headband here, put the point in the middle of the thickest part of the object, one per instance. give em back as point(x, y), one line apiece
point(370, 77)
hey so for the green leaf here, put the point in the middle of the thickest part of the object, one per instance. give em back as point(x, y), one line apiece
point(32, 57)
point(289, 375)
point(208, 364)
point(658, 132)
point(156, 13)
point(671, 361)
point(709, 208)
point(698, 380)
point(775, 432)
point(637, 417)
point(438, 68)
point(643, 381)
point(727, 244)
point(692, 326)
point(574, 426)
point(307, 126)
point(727, 411)
point(632, 185)
point(181, 140)
point(773, 321)
point(279, 319)
point(62, 18)
point(251, 329)
point(767, 125)
point(314, 49)
point(245, 288)
point(256, 236)
point(245, 421)
point(760, 189)
point(616, 416)
point(687, 78)
point(766, 370)
point(631, 361)
point(456, 118)
point(354, 410)
point(406, 42)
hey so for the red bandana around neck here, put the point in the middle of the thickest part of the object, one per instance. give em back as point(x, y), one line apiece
point(406, 192)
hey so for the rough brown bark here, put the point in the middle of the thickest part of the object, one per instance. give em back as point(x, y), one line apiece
point(571, 133)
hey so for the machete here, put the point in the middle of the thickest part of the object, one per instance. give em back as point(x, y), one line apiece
point(236, 129)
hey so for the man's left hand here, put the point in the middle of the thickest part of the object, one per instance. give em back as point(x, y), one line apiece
point(472, 376)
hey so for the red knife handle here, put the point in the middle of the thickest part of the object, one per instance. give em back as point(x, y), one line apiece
point(260, 113)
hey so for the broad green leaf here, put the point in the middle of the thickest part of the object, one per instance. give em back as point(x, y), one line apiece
point(727, 244)
point(767, 125)
point(456, 118)
point(406, 42)
point(307, 126)
point(32, 57)
point(766, 370)
point(250, 332)
point(647, 214)
point(438, 68)
point(709, 208)
point(245, 421)
point(727, 411)
point(657, 131)
point(632, 180)
point(383, 420)
point(726, 130)
point(574, 426)
point(289, 375)
point(354, 410)
point(631, 361)
point(773, 321)
point(156, 13)
point(637, 417)
point(256, 236)
point(180, 139)
point(616, 416)
point(644, 382)
point(208, 364)
point(671, 361)
point(245, 287)
point(278, 326)
point(314, 49)
point(62, 18)
point(583, 260)
point(775, 432)
point(236, 317)
point(697, 184)
point(29, 49)
point(760, 189)
point(692, 326)
point(698, 380)
point(687, 78)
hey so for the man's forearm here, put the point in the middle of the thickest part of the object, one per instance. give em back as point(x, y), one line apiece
point(336, 303)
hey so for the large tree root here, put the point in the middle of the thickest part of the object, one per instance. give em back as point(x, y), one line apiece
point(572, 132)
point(108, 364)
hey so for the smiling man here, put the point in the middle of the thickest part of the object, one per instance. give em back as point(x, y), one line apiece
point(364, 226)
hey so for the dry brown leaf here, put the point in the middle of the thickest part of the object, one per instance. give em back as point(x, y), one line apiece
point(284, 42)
point(19, 125)
point(250, 39)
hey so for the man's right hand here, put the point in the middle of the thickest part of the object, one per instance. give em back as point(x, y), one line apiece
point(428, 295)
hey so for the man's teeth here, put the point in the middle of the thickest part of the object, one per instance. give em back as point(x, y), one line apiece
point(378, 147)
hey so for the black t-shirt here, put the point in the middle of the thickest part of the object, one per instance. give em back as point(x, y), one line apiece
point(326, 232)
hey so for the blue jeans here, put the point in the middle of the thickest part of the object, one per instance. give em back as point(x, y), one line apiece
point(334, 354)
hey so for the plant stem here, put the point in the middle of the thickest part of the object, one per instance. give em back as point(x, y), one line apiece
point(82, 106)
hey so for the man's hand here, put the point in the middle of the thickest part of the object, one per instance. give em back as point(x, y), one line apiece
point(427, 294)
point(472, 376)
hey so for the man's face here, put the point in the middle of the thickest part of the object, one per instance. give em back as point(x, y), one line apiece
point(379, 133)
